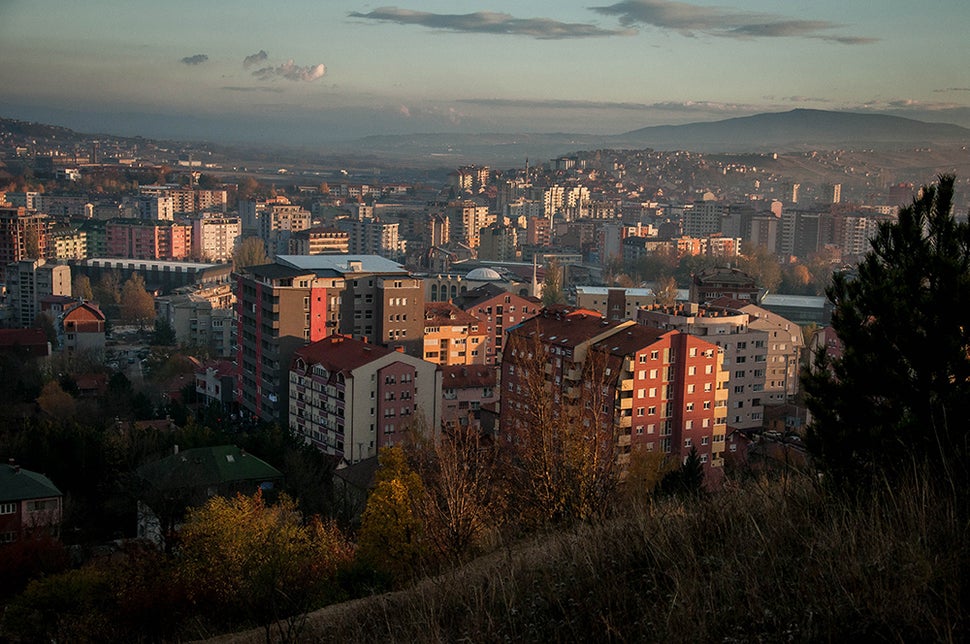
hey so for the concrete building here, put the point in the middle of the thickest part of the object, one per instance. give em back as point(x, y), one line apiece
point(653, 390)
point(29, 281)
point(319, 240)
point(215, 238)
point(350, 398)
point(137, 239)
point(305, 298)
point(497, 311)
point(82, 328)
point(614, 303)
point(452, 336)
point(23, 234)
point(464, 390)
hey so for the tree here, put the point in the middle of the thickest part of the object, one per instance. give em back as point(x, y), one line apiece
point(250, 252)
point(164, 334)
point(900, 393)
point(55, 402)
point(552, 291)
point(665, 291)
point(81, 288)
point(462, 497)
point(107, 292)
point(392, 534)
point(258, 562)
point(137, 304)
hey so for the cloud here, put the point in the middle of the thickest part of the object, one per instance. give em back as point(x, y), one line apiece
point(690, 19)
point(255, 59)
point(197, 59)
point(232, 88)
point(291, 71)
point(952, 89)
point(488, 22)
point(668, 106)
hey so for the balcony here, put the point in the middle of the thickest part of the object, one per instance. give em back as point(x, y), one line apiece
point(626, 384)
point(625, 422)
point(626, 403)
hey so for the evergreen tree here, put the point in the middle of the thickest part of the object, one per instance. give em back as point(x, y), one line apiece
point(900, 394)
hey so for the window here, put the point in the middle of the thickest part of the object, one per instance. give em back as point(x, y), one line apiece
point(687, 442)
point(652, 411)
point(690, 406)
point(692, 370)
point(653, 392)
point(654, 355)
point(8, 508)
point(653, 374)
point(639, 411)
point(688, 424)
point(690, 389)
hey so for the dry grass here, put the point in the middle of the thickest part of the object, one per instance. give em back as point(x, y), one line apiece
point(764, 561)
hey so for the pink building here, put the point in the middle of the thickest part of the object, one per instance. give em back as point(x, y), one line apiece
point(138, 239)
point(465, 389)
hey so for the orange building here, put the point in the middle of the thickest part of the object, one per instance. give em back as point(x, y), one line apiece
point(452, 336)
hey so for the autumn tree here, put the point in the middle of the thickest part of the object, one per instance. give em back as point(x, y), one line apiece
point(251, 251)
point(665, 291)
point(257, 562)
point(900, 392)
point(392, 535)
point(463, 498)
point(137, 304)
point(564, 441)
point(81, 288)
point(55, 402)
point(761, 264)
point(552, 285)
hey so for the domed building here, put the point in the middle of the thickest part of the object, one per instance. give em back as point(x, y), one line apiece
point(519, 278)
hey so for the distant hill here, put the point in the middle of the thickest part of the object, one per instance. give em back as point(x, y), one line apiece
point(796, 129)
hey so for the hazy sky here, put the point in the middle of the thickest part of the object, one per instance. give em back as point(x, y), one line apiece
point(318, 70)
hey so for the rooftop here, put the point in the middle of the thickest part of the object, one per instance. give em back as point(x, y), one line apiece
point(341, 263)
point(340, 353)
point(207, 466)
point(18, 484)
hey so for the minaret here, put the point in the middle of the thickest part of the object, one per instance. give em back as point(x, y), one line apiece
point(535, 280)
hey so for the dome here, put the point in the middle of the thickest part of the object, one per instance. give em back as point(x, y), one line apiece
point(483, 275)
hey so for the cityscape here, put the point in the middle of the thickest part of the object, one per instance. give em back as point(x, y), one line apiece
point(299, 349)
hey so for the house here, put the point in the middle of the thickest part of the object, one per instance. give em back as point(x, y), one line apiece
point(30, 504)
point(465, 389)
point(83, 326)
point(189, 478)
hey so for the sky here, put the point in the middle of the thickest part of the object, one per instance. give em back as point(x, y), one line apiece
point(311, 71)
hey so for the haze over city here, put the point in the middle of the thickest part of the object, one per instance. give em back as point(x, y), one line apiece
point(312, 72)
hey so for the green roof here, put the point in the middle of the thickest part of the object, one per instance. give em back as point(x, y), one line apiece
point(18, 484)
point(206, 466)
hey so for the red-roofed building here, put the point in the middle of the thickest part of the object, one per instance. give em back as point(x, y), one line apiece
point(498, 311)
point(464, 390)
point(83, 327)
point(350, 398)
point(452, 336)
point(655, 390)
point(31, 343)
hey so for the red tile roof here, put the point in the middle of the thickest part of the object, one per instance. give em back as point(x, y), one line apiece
point(340, 353)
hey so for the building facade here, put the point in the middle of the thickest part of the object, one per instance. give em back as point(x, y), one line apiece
point(350, 398)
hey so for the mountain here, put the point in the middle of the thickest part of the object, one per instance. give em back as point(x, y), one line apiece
point(796, 129)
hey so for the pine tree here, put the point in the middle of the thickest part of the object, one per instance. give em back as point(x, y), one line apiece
point(899, 395)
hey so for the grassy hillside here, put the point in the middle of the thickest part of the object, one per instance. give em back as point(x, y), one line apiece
point(761, 561)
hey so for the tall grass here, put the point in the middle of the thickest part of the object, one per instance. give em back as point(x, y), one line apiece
point(779, 560)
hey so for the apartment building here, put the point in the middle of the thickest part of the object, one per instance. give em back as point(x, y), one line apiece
point(350, 398)
point(138, 239)
point(319, 240)
point(497, 311)
point(215, 238)
point(304, 298)
point(452, 336)
point(29, 281)
point(653, 390)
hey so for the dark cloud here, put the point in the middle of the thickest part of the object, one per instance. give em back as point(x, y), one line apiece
point(291, 71)
point(255, 59)
point(197, 59)
point(689, 19)
point(487, 22)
